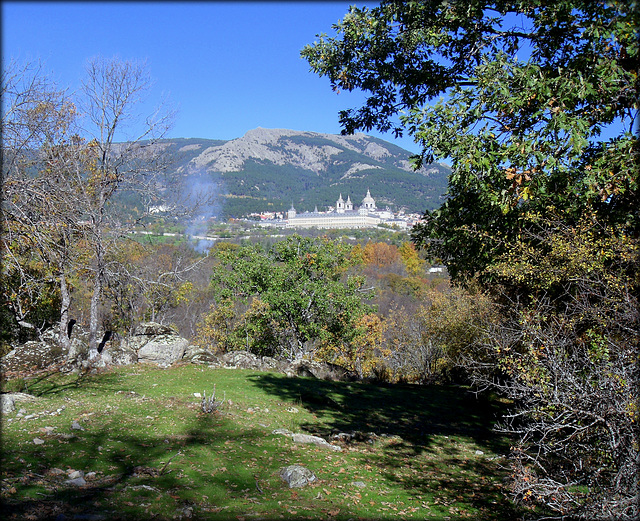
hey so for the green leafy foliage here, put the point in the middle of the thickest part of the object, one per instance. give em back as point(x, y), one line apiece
point(525, 90)
point(298, 292)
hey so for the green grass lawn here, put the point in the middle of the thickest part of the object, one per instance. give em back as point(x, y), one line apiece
point(155, 455)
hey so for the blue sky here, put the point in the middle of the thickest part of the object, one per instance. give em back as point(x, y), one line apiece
point(228, 67)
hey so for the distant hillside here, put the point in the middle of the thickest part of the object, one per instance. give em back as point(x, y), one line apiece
point(269, 169)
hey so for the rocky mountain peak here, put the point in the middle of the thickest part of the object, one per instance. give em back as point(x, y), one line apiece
point(308, 150)
point(261, 145)
point(266, 135)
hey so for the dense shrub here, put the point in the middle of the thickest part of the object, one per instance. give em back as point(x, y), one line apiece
point(569, 354)
point(434, 342)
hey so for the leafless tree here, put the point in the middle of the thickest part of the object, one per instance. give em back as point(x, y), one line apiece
point(124, 154)
point(150, 282)
point(59, 178)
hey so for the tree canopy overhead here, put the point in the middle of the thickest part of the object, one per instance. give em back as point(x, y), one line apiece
point(515, 94)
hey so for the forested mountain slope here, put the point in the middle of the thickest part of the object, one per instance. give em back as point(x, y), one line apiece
point(269, 169)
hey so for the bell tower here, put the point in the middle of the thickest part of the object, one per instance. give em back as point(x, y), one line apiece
point(348, 205)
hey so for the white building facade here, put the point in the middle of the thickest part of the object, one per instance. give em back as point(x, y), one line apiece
point(344, 216)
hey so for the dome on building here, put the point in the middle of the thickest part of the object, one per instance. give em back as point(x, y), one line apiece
point(368, 202)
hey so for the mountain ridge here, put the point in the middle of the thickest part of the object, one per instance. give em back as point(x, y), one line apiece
point(269, 169)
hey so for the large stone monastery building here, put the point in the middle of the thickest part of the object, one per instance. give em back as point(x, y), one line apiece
point(344, 216)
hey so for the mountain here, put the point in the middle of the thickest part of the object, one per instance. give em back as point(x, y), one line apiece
point(270, 169)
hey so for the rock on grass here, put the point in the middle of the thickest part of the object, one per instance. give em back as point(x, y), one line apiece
point(297, 476)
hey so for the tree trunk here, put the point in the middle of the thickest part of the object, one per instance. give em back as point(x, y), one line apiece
point(63, 335)
point(93, 316)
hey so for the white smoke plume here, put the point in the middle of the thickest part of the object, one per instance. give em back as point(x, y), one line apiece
point(202, 194)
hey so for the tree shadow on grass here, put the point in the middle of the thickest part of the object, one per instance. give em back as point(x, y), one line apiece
point(414, 413)
point(50, 382)
point(453, 478)
point(36, 379)
point(145, 475)
point(134, 484)
point(428, 431)
point(143, 468)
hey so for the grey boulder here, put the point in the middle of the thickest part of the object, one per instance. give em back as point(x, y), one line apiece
point(7, 403)
point(315, 440)
point(297, 476)
point(155, 343)
point(163, 350)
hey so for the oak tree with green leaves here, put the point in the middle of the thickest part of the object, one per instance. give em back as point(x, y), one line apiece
point(298, 293)
point(515, 94)
point(534, 105)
